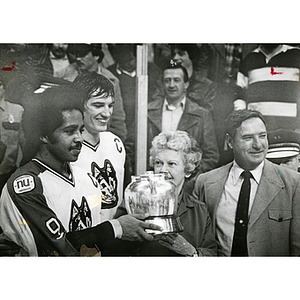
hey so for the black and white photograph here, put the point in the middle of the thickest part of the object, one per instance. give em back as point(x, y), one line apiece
point(123, 152)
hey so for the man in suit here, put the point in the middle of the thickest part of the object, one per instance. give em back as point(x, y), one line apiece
point(177, 112)
point(272, 221)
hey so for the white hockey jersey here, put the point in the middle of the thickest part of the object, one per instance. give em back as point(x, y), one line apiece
point(38, 206)
point(105, 161)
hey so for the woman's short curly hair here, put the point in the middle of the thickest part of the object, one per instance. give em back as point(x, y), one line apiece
point(178, 141)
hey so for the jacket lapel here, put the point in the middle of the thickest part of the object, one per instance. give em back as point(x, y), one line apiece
point(269, 186)
point(183, 204)
point(188, 118)
point(155, 113)
point(214, 187)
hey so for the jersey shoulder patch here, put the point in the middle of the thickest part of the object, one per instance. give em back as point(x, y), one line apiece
point(23, 183)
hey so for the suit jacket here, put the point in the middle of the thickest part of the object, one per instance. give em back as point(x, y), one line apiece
point(274, 222)
point(197, 122)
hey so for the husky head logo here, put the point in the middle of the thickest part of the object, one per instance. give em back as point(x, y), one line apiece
point(80, 216)
point(108, 182)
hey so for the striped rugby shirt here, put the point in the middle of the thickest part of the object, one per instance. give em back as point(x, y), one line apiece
point(271, 86)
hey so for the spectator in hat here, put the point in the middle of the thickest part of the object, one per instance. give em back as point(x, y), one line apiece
point(284, 148)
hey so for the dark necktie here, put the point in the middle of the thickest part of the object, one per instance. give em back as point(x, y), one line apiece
point(239, 244)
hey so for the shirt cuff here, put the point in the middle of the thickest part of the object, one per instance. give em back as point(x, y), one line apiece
point(239, 104)
point(117, 228)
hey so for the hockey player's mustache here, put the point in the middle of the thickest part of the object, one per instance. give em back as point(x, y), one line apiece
point(78, 146)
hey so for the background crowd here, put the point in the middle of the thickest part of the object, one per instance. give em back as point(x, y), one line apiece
point(221, 77)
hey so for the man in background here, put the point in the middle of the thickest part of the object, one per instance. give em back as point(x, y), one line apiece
point(177, 112)
point(11, 134)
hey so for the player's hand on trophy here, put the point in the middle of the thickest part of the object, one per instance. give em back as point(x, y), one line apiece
point(178, 244)
point(134, 228)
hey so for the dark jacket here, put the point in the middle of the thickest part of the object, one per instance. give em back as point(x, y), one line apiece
point(197, 122)
point(201, 91)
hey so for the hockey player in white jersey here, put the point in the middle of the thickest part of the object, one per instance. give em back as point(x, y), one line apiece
point(50, 208)
point(103, 153)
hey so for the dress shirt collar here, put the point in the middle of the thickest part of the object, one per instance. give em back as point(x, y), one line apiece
point(282, 48)
point(236, 172)
point(171, 107)
point(120, 71)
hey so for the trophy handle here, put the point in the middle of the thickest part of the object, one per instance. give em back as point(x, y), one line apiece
point(170, 224)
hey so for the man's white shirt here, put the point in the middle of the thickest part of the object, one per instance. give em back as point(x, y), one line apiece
point(226, 209)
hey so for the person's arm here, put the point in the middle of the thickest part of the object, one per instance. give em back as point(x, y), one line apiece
point(132, 228)
point(27, 220)
point(98, 236)
point(207, 243)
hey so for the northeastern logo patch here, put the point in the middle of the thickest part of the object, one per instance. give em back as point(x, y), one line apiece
point(24, 183)
point(81, 216)
point(107, 179)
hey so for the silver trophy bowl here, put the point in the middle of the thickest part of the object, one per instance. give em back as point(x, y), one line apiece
point(154, 194)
